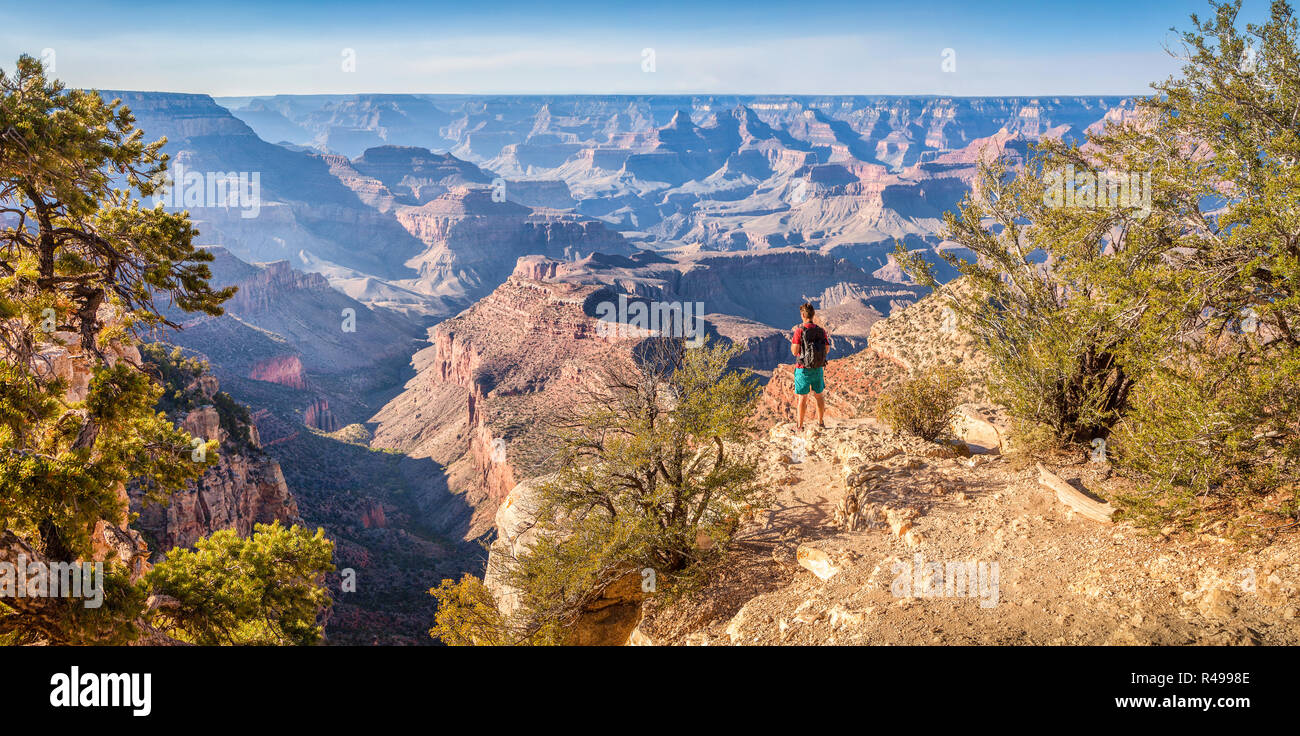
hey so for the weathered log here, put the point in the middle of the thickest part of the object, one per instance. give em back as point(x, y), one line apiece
point(1070, 496)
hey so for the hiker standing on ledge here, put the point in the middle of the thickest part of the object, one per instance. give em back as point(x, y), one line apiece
point(809, 345)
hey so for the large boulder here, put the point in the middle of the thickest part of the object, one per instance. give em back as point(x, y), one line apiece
point(609, 620)
point(972, 426)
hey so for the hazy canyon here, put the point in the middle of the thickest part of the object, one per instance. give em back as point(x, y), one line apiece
point(420, 278)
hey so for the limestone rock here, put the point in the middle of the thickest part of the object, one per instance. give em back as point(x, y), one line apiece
point(817, 561)
point(841, 617)
point(611, 619)
point(204, 423)
point(974, 429)
point(639, 638)
point(808, 612)
point(735, 630)
point(244, 488)
point(900, 520)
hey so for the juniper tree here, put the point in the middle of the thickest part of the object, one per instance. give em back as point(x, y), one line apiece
point(1171, 320)
point(1055, 328)
point(1216, 427)
point(81, 267)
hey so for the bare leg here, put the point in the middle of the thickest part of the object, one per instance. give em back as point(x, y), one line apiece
point(821, 410)
point(803, 404)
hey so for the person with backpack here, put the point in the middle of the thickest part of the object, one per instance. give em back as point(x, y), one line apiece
point(809, 345)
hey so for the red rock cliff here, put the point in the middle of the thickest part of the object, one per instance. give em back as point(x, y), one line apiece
point(244, 488)
point(489, 376)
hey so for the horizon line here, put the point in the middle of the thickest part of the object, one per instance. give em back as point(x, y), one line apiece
point(625, 94)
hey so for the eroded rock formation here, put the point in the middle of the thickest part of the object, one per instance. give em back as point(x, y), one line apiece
point(488, 380)
point(244, 488)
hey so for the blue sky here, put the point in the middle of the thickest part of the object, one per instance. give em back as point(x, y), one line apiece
point(236, 47)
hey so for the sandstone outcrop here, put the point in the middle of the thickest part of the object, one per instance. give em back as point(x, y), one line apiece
point(608, 620)
point(488, 380)
point(244, 487)
point(285, 370)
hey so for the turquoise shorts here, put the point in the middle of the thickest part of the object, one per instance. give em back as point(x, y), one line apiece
point(808, 378)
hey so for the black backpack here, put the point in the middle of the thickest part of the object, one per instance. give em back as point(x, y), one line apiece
point(813, 347)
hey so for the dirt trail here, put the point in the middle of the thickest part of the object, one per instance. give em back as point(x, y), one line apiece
point(956, 550)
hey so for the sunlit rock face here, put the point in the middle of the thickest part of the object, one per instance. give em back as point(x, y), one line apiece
point(244, 488)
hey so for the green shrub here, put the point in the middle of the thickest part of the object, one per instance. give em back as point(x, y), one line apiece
point(923, 405)
point(467, 614)
point(265, 589)
point(1211, 439)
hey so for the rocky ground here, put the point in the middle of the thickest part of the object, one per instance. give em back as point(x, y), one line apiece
point(798, 577)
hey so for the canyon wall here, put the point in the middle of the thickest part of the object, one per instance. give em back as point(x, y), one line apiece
point(489, 380)
point(244, 487)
